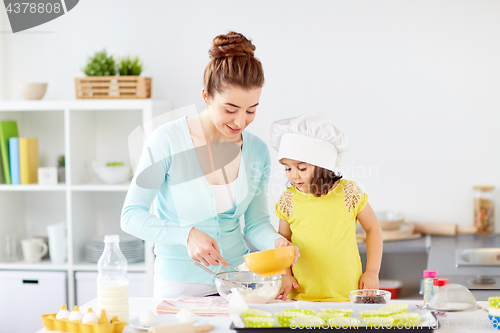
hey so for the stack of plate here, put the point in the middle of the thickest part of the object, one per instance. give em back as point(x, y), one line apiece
point(132, 249)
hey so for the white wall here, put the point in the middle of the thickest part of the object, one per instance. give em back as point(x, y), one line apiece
point(414, 84)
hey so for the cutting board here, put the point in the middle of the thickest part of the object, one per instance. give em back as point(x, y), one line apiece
point(406, 231)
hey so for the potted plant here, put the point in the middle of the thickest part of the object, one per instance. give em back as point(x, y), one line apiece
point(130, 66)
point(102, 81)
point(61, 169)
point(100, 65)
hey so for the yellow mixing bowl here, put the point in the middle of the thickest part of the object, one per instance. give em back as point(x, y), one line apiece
point(270, 262)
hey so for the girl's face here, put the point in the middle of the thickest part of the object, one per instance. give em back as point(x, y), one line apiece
point(299, 173)
point(232, 110)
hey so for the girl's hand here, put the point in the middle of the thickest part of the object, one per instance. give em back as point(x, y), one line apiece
point(369, 280)
point(281, 242)
point(203, 248)
point(289, 283)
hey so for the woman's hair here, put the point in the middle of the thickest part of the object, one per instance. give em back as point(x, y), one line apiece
point(322, 181)
point(232, 64)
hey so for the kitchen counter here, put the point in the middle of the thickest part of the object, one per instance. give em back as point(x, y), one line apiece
point(442, 255)
point(453, 323)
point(418, 245)
point(441, 250)
point(436, 252)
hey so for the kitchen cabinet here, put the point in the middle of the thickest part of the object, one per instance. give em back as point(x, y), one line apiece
point(25, 295)
point(84, 131)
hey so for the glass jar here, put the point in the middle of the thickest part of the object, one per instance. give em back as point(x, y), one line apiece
point(484, 206)
point(429, 276)
point(438, 283)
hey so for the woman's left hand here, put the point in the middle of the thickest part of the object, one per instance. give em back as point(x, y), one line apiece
point(369, 280)
point(281, 242)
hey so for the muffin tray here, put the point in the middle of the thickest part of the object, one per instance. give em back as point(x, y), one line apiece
point(423, 329)
point(428, 322)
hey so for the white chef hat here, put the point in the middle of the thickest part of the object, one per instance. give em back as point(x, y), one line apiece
point(309, 138)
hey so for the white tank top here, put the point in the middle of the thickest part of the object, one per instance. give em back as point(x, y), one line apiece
point(225, 196)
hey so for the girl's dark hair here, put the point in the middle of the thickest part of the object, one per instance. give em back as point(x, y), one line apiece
point(232, 64)
point(322, 181)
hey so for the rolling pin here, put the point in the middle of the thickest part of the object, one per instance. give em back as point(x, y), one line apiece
point(442, 229)
point(180, 328)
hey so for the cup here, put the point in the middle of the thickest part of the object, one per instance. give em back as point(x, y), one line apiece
point(33, 249)
point(57, 243)
point(10, 249)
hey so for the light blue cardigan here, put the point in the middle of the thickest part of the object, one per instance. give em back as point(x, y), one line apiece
point(182, 202)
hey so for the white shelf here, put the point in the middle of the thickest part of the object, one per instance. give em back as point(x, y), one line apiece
point(44, 265)
point(64, 187)
point(100, 188)
point(82, 104)
point(84, 131)
point(33, 187)
point(47, 265)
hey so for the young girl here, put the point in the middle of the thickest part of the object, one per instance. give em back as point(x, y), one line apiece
point(318, 213)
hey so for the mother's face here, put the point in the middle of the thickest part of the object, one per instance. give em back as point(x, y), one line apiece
point(232, 110)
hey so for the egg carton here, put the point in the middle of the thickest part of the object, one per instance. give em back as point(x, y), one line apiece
point(76, 326)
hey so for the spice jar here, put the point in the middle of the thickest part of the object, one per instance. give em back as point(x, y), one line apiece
point(484, 209)
point(429, 276)
point(438, 283)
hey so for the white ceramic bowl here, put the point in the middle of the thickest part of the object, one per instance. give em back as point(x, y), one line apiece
point(111, 174)
point(390, 219)
point(32, 91)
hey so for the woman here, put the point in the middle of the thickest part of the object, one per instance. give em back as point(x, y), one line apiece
point(204, 174)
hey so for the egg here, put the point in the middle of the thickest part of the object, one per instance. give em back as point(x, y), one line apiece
point(62, 314)
point(147, 318)
point(90, 317)
point(186, 316)
point(75, 314)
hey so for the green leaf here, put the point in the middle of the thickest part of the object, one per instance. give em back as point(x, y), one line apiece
point(130, 66)
point(100, 64)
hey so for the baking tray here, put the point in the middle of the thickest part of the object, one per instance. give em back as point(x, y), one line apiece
point(428, 322)
point(358, 329)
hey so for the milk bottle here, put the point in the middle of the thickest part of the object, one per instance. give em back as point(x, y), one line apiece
point(112, 281)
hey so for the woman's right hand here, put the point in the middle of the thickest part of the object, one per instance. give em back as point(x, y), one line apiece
point(204, 249)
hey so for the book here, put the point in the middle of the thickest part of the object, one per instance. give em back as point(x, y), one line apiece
point(8, 129)
point(28, 160)
point(14, 160)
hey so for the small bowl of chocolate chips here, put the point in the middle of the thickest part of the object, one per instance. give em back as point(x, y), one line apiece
point(369, 296)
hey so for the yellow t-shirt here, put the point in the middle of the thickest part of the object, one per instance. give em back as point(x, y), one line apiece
point(324, 229)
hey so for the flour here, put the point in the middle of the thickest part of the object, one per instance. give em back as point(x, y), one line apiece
point(257, 296)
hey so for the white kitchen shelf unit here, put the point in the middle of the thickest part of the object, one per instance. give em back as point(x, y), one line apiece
point(84, 131)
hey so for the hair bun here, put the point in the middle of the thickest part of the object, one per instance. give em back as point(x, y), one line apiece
point(232, 44)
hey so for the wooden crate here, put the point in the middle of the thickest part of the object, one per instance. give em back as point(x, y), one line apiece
point(100, 87)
